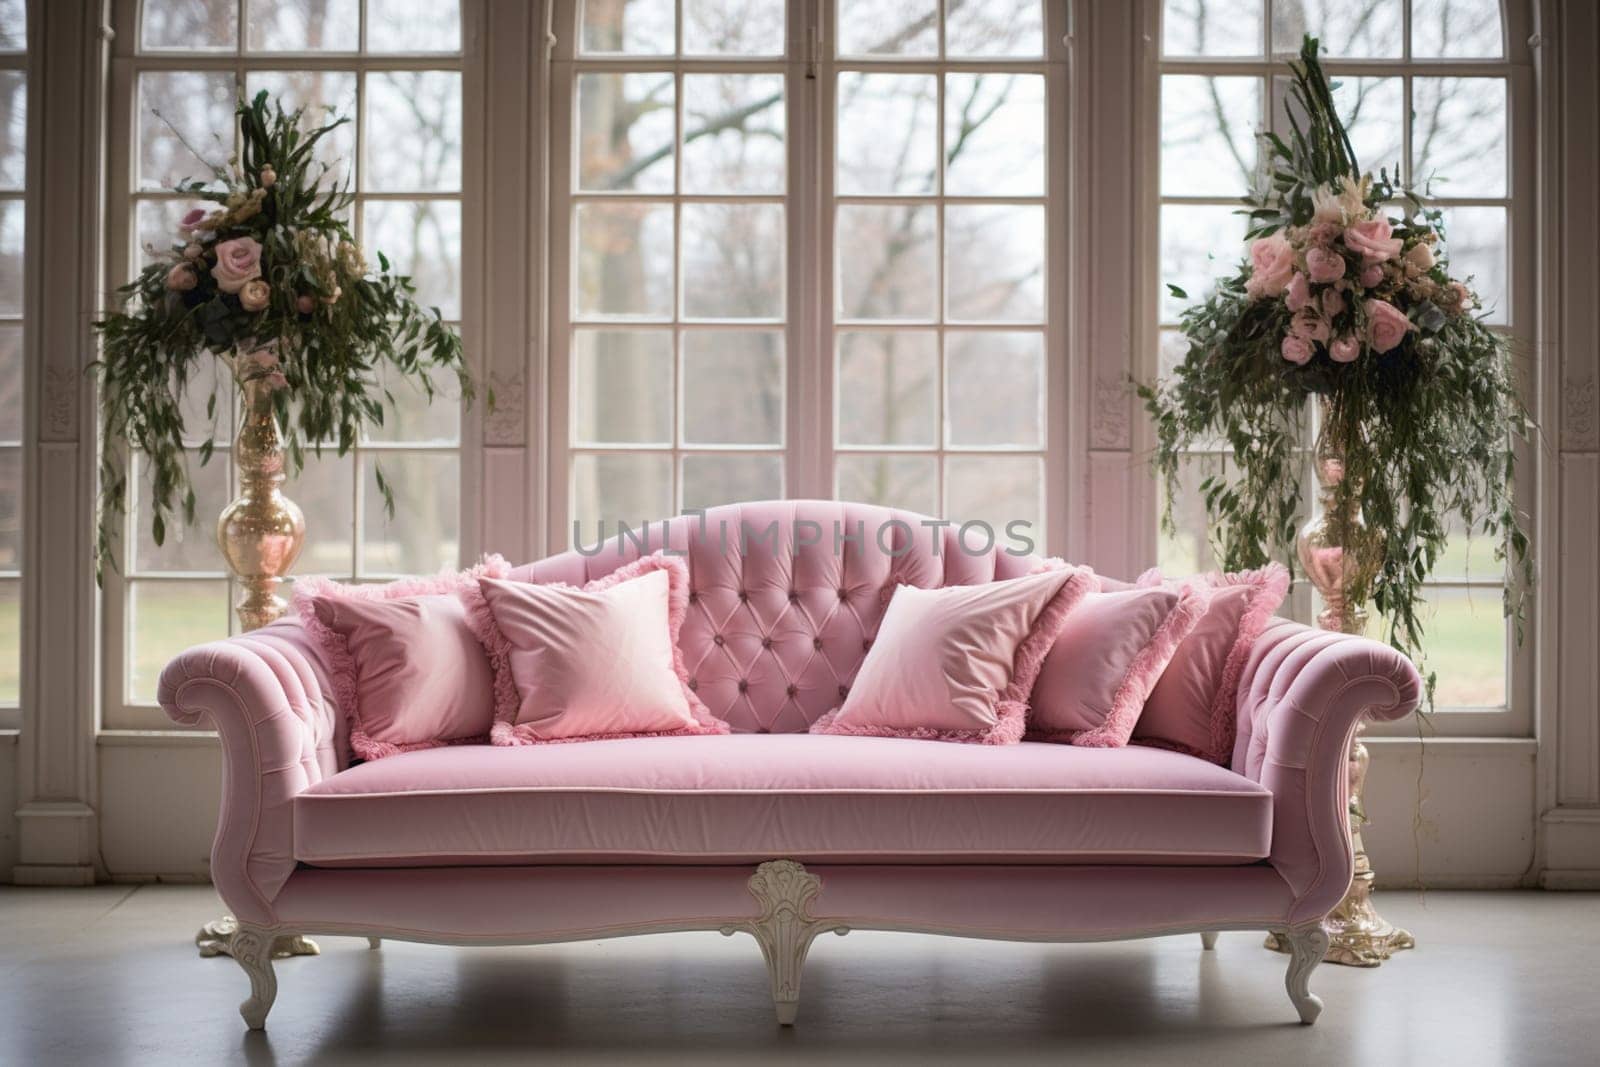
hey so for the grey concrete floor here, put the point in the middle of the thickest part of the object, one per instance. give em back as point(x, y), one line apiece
point(108, 976)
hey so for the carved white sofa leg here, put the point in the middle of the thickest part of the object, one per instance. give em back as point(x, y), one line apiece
point(252, 947)
point(1208, 939)
point(785, 928)
point(216, 939)
point(1307, 945)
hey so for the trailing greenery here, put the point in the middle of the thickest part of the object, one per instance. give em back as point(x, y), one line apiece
point(270, 281)
point(1347, 296)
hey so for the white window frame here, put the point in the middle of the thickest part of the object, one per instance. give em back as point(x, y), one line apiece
point(14, 62)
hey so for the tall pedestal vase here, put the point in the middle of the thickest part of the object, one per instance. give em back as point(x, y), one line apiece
point(260, 534)
point(1331, 549)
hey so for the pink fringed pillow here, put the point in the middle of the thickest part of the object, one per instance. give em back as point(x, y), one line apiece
point(1191, 708)
point(406, 669)
point(597, 662)
point(1102, 667)
point(958, 663)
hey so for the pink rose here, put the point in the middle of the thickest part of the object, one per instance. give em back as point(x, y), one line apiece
point(276, 380)
point(1462, 297)
point(1307, 324)
point(181, 278)
point(1324, 234)
point(238, 261)
point(1386, 325)
point(1296, 349)
point(193, 251)
point(268, 177)
point(1344, 349)
point(1419, 258)
point(1333, 302)
point(1324, 266)
point(1298, 295)
point(305, 304)
point(254, 295)
point(1373, 239)
point(1371, 276)
point(1271, 266)
point(191, 220)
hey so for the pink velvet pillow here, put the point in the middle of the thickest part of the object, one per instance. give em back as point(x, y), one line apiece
point(1191, 708)
point(591, 663)
point(1100, 671)
point(958, 663)
point(406, 669)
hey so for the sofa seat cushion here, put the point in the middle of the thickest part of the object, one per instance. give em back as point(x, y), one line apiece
point(745, 798)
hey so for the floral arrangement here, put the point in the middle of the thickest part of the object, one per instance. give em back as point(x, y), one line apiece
point(269, 280)
point(1347, 296)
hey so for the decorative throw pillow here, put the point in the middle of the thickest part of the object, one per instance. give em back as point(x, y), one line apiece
point(585, 664)
point(958, 663)
point(1191, 708)
point(406, 669)
point(1102, 667)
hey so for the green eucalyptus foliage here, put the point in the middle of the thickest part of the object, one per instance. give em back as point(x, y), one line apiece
point(333, 321)
point(1427, 428)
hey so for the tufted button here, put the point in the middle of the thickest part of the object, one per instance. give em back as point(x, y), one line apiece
point(866, 646)
point(844, 593)
point(694, 598)
point(744, 686)
point(718, 640)
point(816, 643)
point(792, 690)
point(744, 597)
point(794, 596)
point(694, 684)
point(766, 642)
point(844, 691)
point(763, 729)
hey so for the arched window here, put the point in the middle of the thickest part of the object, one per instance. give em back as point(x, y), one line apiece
point(13, 191)
point(1435, 90)
point(394, 67)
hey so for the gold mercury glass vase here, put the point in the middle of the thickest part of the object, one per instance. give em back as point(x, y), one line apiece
point(262, 531)
point(1333, 549)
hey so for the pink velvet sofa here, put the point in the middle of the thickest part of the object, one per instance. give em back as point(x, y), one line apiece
point(772, 831)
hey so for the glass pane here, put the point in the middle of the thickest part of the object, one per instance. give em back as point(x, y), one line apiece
point(1475, 243)
point(303, 25)
point(1199, 245)
point(887, 140)
point(625, 132)
point(622, 387)
point(1468, 555)
point(10, 382)
point(422, 537)
point(164, 618)
point(1458, 138)
point(13, 25)
point(733, 261)
point(888, 27)
point(11, 216)
point(1186, 549)
point(326, 95)
point(610, 489)
point(10, 641)
point(909, 482)
point(10, 509)
point(733, 27)
point(414, 416)
point(1458, 29)
point(995, 393)
point(998, 490)
point(733, 387)
point(994, 28)
point(207, 377)
point(13, 128)
point(888, 387)
point(994, 263)
point(181, 25)
point(994, 134)
point(413, 133)
point(421, 238)
point(1466, 643)
point(712, 480)
point(1346, 30)
point(156, 223)
point(1373, 111)
point(886, 266)
point(184, 548)
point(325, 491)
point(638, 27)
point(413, 26)
point(1212, 28)
point(733, 130)
point(624, 260)
point(1208, 135)
point(199, 107)
point(1173, 347)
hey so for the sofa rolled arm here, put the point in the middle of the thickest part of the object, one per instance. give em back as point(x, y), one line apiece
point(1302, 693)
point(266, 695)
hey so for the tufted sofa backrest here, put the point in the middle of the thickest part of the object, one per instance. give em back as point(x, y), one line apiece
point(786, 596)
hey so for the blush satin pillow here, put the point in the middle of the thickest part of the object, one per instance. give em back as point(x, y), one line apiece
point(1102, 667)
point(585, 664)
point(1191, 708)
point(406, 669)
point(958, 663)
